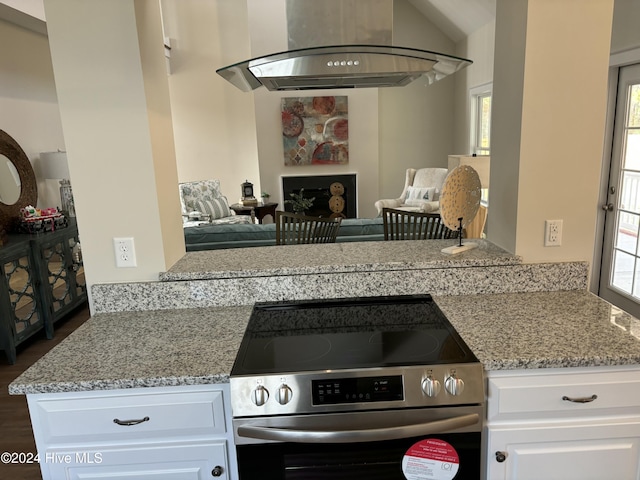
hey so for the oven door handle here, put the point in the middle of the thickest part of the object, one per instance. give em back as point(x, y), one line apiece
point(352, 436)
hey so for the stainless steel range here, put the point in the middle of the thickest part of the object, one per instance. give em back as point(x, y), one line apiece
point(356, 388)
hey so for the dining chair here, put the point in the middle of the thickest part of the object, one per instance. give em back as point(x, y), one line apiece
point(292, 228)
point(403, 225)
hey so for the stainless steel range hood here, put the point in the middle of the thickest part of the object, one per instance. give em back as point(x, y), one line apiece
point(313, 62)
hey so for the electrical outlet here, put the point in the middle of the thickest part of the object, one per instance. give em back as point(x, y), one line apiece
point(552, 233)
point(125, 252)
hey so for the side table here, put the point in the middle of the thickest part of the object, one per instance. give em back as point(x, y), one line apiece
point(258, 211)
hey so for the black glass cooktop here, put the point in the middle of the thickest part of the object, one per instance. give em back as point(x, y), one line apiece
point(348, 333)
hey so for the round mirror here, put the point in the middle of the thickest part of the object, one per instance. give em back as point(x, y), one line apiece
point(18, 181)
point(9, 182)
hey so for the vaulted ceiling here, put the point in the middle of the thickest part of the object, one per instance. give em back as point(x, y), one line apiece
point(456, 18)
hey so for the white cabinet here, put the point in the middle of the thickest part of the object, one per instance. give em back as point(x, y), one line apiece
point(167, 433)
point(564, 424)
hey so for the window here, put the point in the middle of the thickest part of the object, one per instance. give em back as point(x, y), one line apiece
point(481, 119)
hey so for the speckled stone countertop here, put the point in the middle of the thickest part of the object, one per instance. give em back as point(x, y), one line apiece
point(195, 346)
point(141, 349)
point(332, 258)
point(544, 330)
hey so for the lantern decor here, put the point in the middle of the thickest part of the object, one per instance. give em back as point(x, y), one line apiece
point(248, 199)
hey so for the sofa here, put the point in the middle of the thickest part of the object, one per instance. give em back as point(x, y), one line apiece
point(203, 203)
point(213, 237)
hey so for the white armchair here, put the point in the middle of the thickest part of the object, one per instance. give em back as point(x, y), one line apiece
point(421, 191)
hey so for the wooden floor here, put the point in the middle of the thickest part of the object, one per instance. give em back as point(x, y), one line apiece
point(15, 426)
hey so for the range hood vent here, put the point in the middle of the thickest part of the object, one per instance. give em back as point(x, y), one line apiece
point(312, 62)
point(343, 66)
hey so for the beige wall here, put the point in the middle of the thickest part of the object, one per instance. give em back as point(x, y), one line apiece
point(110, 137)
point(221, 132)
point(479, 46)
point(28, 102)
point(416, 121)
point(264, 18)
point(626, 31)
point(27, 98)
point(156, 89)
point(213, 122)
point(559, 143)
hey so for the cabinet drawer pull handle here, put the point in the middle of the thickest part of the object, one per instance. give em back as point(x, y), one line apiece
point(128, 423)
point(581, 399)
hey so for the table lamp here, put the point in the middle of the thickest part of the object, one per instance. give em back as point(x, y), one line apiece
point(54, 166)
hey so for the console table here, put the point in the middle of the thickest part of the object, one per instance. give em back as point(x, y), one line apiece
point(258, 211)
point(41, 280)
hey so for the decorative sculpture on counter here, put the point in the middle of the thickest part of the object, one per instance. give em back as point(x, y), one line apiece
point(459, 203)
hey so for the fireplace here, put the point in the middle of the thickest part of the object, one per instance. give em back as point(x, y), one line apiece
point(325, 189)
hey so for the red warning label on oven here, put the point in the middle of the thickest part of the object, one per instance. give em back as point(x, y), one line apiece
point(430, 459)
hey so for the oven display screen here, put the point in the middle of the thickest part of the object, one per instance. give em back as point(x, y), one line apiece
point(357, 390)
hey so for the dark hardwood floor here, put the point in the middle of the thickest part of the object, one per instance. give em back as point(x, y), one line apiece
point(15, 426)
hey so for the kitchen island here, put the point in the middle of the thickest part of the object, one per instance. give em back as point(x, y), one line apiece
point(198, 346)
point(528, 324)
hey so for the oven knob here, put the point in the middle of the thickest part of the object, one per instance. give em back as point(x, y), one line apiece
point(260, 396)
point(284, 394)
point(431, 386)
point(454, 385)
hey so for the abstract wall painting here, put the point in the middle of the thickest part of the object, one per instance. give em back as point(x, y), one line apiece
point(315, 130)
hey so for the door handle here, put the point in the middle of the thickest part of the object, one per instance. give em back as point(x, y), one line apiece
point(351, 436)
point(608, 207)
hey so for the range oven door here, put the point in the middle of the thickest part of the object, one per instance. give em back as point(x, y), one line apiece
point(387, 444)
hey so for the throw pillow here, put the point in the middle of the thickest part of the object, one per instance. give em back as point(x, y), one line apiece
point(199, 191)
point(416, 196)
point(214, 207)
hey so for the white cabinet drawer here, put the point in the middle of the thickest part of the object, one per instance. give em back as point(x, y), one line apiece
point(180, 461)
point(545, 394)
point(95, 417)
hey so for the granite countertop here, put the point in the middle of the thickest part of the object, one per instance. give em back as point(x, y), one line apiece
point(196, 346)
point(544, 330)
point(333, 258)
point(141, 349)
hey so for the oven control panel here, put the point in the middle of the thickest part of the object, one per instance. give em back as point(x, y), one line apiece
point(353, 390)
point(357, 390)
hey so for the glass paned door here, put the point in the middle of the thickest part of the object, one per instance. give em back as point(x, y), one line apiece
point(620, 272)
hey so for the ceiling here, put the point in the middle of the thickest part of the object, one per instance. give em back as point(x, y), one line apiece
point(455, 18)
